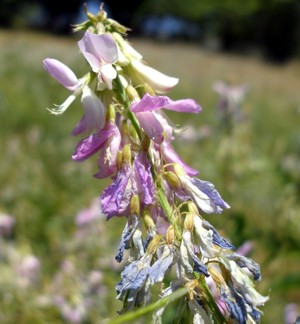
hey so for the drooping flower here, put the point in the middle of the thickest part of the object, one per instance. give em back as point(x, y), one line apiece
point(170, 156)
point(94, 113)
point(204, 194)
point(93, 143)
point(115, 199)
point(144, 109)
point(145, 185)
point(64, 75)
point(101, 52)
point(107, 161)
point(160, 82)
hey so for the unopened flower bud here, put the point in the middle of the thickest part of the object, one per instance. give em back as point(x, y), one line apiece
point(126, 48)
point(216, 276)
point(157, 80)
point(179, 170)
point(170, 235)
point(119, 159)
point(111, 113)
point(172, 179)
point(100, 28)
point(135, 205)
point(148, 221)
point(192, 208)
point(132, 93)
point(189, 222)
point(153, 245)
point(126, 154)
point(117, 26)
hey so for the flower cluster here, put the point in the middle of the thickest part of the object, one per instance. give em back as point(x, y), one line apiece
point(124, 124)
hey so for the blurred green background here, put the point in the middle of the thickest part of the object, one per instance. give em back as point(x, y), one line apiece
point(255, 165)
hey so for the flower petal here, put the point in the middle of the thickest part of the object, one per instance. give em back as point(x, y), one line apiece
point(151, 126)
point(98, 49)
point(144, 178)
point(126, 237)
point(170, 156)
point(107, 160)
point(94, 109)
point(108, 73)
point(159, 81)
point(92, 143)
point(209, 189)
point(149, 102)
point(112, 197)
point(162, 264)
point(61, 73)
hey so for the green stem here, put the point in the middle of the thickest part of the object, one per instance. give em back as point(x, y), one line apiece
point(161, 195)
point(168, 210)
point(214, 309)
point(130, 316)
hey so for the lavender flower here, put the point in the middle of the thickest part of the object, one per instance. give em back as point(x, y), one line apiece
point(101, 52)
point(166, 236)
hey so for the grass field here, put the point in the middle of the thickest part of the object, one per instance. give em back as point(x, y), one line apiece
point(255, 166)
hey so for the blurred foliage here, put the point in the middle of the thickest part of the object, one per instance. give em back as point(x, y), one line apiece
point(271, 25)
point(255, 165)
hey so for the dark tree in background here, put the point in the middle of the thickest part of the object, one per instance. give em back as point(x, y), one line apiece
point(270, 25)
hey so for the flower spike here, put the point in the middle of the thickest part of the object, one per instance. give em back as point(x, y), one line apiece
point(168, 240)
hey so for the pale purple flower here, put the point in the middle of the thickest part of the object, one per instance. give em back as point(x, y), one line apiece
point(94, 113)
point(127, 234)
point(244, 262)
point(61, 73)
point(204, 194)
point(144, 109)
point(134, 276)
point(107, 160)
point(230, 99)
point(187, 244)
point(73, 313)
point(67, 78)
point(93, 143)
point(101, 52)
point(170, 156)
point(162, 264)
point(28, 270)
point(6, 224)
point(87, 215)
point(136, 179)
point(144, 180)
point(290, 314)
point(115, 199)
point(245, 248)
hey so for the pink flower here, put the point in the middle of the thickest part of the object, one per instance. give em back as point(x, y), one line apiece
point(144, 109)
point(93, 143)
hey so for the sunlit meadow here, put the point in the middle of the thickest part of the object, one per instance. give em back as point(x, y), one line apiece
point(255, 161)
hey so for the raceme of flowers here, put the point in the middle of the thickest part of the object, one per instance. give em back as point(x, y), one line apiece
point(166, 235)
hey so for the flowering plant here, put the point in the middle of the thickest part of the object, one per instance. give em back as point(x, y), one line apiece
point(163, 201)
